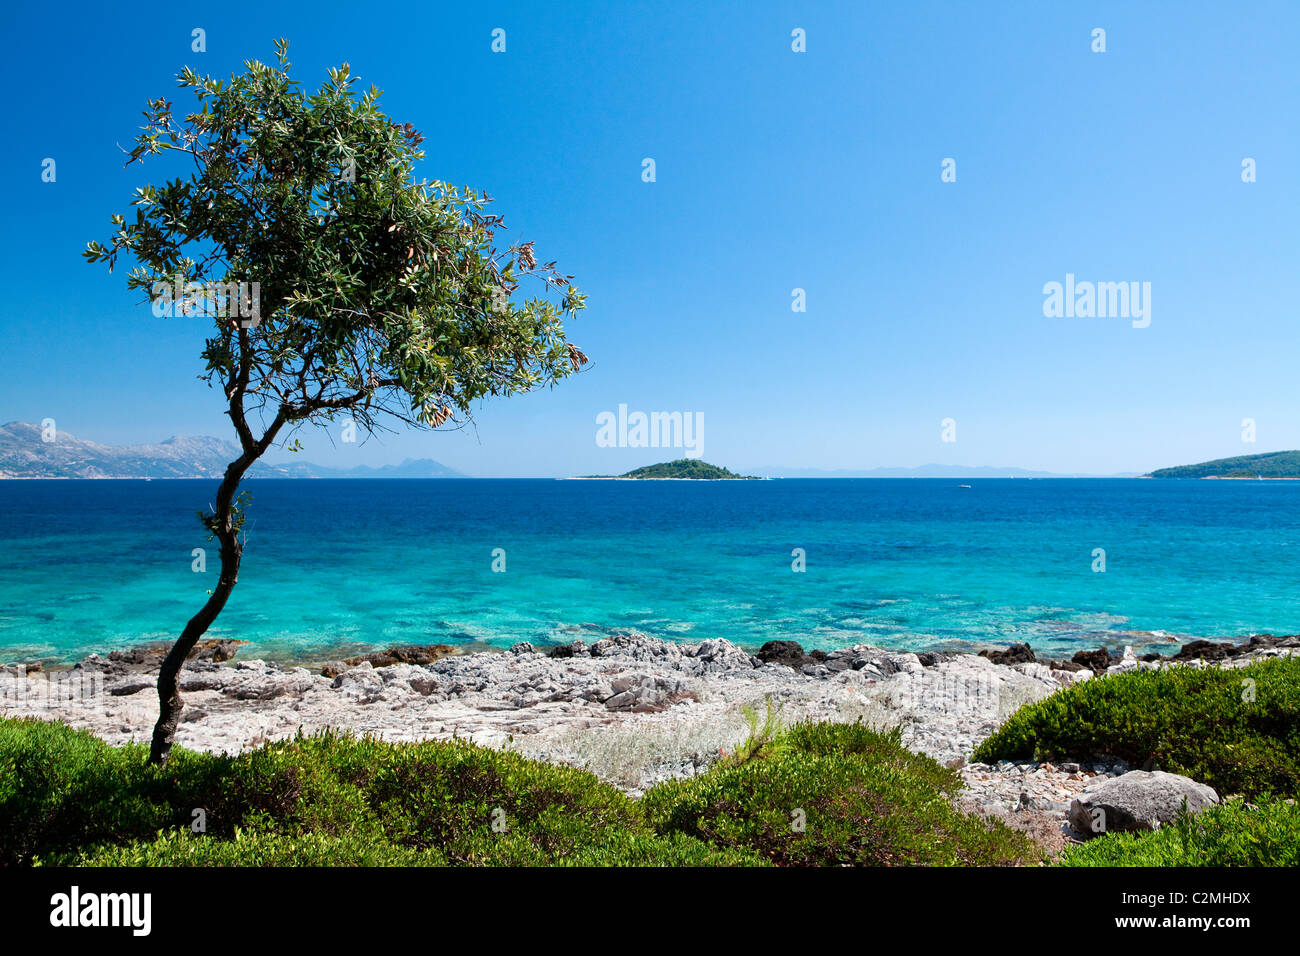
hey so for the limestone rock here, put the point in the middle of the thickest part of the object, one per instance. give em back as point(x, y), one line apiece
point(1138, 800)
point(1015, 654)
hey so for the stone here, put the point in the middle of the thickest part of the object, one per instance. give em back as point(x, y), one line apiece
point(403, 654)
point(1070, 666)
point(789, 653)
point(1128, 662)
point(1040, 671)
point(131, 687)
point(1138, 800)
point(1015, 654)
point(884, 666)
point(1205, 651)
point(1096, 661)
point(572, 649)
point(718, 653)
point(332, 669)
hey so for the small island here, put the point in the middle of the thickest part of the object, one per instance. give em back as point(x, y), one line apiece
point(683, 469)
point(1271, 465)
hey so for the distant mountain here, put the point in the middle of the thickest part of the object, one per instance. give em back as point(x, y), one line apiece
point(689, 468)
point(927, 471)
point(23, 454)
point(1276, 464)
point(409, 468)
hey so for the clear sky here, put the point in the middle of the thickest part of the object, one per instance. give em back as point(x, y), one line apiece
point(775, 170)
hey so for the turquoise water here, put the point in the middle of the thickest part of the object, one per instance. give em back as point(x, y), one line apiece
point(334, 566)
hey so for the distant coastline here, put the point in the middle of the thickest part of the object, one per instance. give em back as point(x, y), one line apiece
point(1270, 466)
point(30, 451)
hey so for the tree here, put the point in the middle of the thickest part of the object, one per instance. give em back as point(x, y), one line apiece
point(336, 283)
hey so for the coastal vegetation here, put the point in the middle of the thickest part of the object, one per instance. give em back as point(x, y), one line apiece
point(813, 794)
point(1234, 833)
point(1235, 729)
point(835, 795)
point(1278, 464)
point(335, 284)
point(66, 797)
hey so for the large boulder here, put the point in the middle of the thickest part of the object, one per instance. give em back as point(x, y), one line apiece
point(1138, 800)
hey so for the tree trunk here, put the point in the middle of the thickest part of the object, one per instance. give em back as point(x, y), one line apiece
point(169, 692)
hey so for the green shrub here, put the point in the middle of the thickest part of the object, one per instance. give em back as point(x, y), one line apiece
point(1231, 834)
point(66, 788)
point(325, 800)
point(253, 848)
point(859, 740)
point(451, 794)
point(250, 848)
point(638, 846)
point(861, 797)
point(331, 800)
point(1197, 722)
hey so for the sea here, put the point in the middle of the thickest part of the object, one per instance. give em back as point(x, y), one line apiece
point(337, 567)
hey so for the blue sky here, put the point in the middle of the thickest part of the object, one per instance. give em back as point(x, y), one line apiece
point(776, 170)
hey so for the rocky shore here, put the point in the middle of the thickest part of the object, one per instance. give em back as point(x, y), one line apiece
point(631, 708)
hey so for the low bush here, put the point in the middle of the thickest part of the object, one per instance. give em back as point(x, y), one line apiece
point(1236, 729)
point(67, 797)
point(835, 794)
point(1231, 834)
point(63, 788)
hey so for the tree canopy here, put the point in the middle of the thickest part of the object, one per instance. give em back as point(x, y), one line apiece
point(379, 293)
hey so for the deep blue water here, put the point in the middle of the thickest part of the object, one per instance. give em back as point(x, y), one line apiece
point(915, 563)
